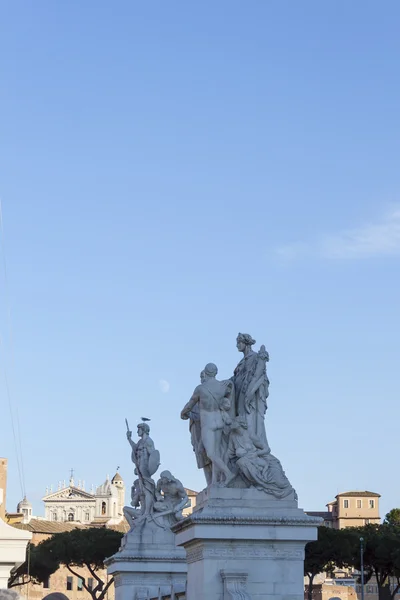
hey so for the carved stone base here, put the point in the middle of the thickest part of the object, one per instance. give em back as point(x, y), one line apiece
point(243, 544)
point(148, 564)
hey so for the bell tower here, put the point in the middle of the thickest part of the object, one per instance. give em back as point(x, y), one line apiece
point(118, 483)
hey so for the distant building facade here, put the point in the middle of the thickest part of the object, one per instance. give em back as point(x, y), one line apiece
point(68, 508)
point(62, 581)
point(73, 503)
point(192, 495)
point(351, 509)
point(3, 486)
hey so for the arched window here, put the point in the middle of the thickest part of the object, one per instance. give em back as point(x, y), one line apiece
point(70, 516)
point(103, 508)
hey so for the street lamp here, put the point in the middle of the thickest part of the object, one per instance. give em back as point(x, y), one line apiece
point(362, 566)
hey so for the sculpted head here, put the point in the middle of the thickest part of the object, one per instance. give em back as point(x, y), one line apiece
point(143, 428)
point(243, 340)
point(239, 423)
point(167, 477)
point(210, 370)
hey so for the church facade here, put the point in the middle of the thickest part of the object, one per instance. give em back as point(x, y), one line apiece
point(73, 503)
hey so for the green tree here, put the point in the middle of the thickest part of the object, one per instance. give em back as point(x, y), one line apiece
point(381, 556)
point(38, 566)
point(331, 549)
point(79, 548)
point(393, 517)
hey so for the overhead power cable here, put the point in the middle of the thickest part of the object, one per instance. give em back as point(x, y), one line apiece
point(15, 422)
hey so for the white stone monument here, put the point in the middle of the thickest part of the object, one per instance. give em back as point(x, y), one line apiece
point(13, 544)
point(246, 537)
point(149, 564)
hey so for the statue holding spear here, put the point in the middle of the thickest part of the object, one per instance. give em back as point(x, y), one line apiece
point(146, 460)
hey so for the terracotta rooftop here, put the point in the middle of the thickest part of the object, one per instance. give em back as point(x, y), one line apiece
point(39, 526)
point(359, 494)
point(190, 492)
point(123, 526)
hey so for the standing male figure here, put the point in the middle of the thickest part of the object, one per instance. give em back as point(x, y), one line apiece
point(213, 401)
point(203, 462)
point(146, 460)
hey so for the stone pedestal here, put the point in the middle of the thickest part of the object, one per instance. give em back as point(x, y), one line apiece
point(245, 544)
point(148, 564)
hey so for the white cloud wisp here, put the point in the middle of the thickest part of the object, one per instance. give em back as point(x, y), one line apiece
point(367, 241)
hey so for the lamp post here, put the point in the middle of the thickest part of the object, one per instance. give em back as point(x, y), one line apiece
point(362, 566)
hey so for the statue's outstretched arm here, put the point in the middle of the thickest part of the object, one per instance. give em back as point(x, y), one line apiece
point(130, 440)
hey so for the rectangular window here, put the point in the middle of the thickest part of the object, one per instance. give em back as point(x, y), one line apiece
point(370, 589)
point(46, 582)
point(90, 583)
point(69, 583)
point(372, 503)
point(366, 521)
point(345, 504)
point(359, 503)
point(80, 584)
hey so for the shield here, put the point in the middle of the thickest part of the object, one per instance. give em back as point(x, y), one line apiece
point(154, 461)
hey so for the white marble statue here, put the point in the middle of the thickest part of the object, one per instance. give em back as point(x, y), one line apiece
point(138, 500)
point(203, 461)
point(227, 426)
point(251, 385)
point(148, 562)
point(171, 498)
point(212, 401)
point(255, 462)
point(146, 460)
point(162, 503)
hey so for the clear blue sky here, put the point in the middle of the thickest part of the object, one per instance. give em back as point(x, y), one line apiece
point(173, 173)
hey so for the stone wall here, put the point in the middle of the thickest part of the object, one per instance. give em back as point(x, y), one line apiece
point(58, 583)
point(331, 592)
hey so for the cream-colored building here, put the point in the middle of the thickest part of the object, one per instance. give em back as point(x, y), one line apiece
point(351, 509)
point(74, 503)
point(3, 486)
point(66, 509)
point(192, 495)
point(63, 581)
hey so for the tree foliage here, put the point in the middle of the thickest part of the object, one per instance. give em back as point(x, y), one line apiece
point(38, 566)
point(77, 548)
point(393, 517)
point(331, 549)
point(381, 555)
